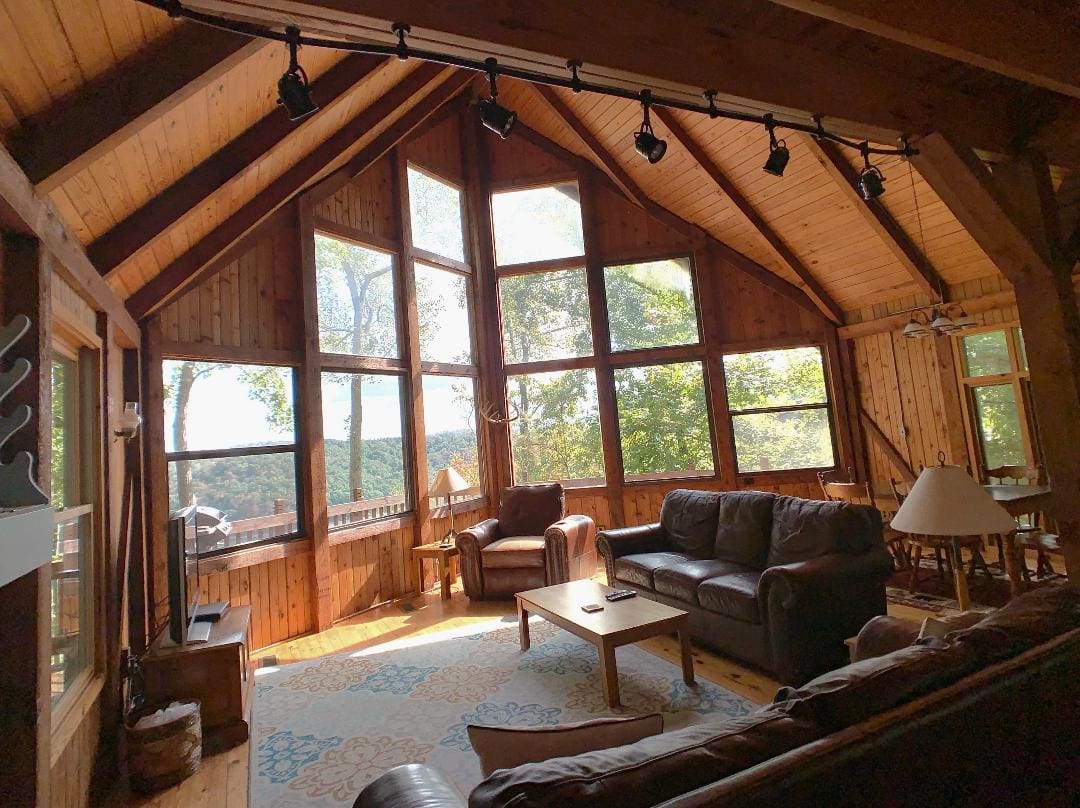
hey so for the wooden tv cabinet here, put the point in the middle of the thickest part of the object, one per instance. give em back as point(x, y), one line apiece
point(217, 673)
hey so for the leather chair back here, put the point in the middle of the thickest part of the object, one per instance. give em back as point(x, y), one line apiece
point(529, 510)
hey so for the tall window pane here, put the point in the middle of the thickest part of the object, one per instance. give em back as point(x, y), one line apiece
point(774, 378)
point(443, 308)
point(450, 427)
point(65, 434)
point(663, 421)
point(357, 300)
point(365, 453)
point(986, 354)
point(999, 425)
point(651, 305)
point(556, 436)
point(795, 439)
point(435, 209)
point(545, 315)
point(537, 224)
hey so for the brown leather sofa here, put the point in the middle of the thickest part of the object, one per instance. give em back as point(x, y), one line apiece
point(531, 544)
point(777, 581)
point(988, 715)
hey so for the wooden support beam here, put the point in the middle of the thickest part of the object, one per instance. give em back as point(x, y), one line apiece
point(72, 133)
point(23, 210)
point(1015, 39)
point(158, 216)
point(881, 440)
point(894, 322)
point(1012, 214)
point(814, 289)
point(188, 268)
point(630, 189)
point(877, 216)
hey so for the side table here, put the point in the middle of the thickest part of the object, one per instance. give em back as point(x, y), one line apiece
point(441, 556)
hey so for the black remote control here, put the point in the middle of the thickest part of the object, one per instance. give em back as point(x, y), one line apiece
point(620, 594)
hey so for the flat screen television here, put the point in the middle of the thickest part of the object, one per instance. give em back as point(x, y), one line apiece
point(183, 561)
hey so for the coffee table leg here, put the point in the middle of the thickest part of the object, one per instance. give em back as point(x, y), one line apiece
point(610, 675)
point(523, 625)
point(687, 656)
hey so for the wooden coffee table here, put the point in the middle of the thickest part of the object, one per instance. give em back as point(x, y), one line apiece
point(620, 623)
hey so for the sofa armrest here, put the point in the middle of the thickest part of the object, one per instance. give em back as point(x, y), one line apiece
point(618, 542)
point(569, 542)
point(883, 635)
point(413, 785)
point(469, 543)
point(788, 584)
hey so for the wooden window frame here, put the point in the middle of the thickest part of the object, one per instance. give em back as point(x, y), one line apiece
point(427, 256)
point(732, 349)
point(543, 264)
point(658, 350)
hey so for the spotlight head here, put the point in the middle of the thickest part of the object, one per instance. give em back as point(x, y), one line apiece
point(496, 117)
point(295, 95)
point(778, 159)
point(871, 183)
point(650, 146)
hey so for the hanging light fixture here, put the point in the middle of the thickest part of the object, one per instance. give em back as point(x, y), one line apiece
point(871, 180)
point(778, 151)
point(494, 115)
point(963, 320)
point(940, 321)
point(646, 143)
point(294, 91)
point(916, 330)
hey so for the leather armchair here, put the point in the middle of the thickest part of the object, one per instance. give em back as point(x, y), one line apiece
point(531, 544)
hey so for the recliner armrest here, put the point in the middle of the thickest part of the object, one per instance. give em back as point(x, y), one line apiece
point(622, 541)
point(572, 537)
point(478, 536)
point(413, 785)
point(828, 573)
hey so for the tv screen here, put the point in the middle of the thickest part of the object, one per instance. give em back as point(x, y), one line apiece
point(183, 563)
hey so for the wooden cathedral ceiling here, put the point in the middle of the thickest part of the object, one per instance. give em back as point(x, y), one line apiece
point(160, 142)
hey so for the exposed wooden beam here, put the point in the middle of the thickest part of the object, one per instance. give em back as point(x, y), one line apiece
point(876, 215)
point(78, 129)
point(1014, 39)
point(189, 268)
point(822, 299)
point(154, 219)
point(618, 176)
point(894, 322)
point(881, 440)
point(23, 210)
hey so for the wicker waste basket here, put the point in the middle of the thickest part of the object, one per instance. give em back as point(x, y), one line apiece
point(166, 753)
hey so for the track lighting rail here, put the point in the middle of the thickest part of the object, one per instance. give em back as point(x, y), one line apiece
point(574, 82)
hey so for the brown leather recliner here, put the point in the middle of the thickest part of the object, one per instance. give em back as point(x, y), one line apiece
point(531, 544)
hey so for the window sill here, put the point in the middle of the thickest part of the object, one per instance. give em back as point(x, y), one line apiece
point(784, 475)
point(72, 709)
point(256, 554)
point(376, 527)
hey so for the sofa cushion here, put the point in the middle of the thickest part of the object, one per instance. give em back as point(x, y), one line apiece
point(688, 519)
point(743, 527)
point(506, 747)
point(529, 510)
point(638, 569)
point(861, 690)
point(650, 771)
point(1024, 622)
point(513, 552)
point(803, 529)
point(680, 581)
point(733, 595)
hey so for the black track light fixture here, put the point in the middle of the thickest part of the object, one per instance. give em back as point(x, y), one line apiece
point(871, 181)
point(402, 49)
point(778, 151)
point(493, 115)
point(710, 99)
point(647, 144)
point(574, 65)
point(294, 91)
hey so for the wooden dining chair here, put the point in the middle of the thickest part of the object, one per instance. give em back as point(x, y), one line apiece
point(862, 494)
point(1031, 533)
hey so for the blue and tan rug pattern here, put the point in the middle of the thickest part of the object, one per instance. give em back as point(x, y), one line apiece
point(326, 728)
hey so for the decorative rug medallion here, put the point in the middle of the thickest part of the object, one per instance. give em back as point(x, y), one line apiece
point(325, 728)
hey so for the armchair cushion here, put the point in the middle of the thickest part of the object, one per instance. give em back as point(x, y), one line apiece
point(681, 580)
point(743, 527)
point(688, 519)
point(803, 529)
point(639, 569)
point(513, 552)
point(529, 510)
point(733, 594)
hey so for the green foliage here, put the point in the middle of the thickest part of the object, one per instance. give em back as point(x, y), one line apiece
point(545, 316)
point(650, 305)
point(557, 436)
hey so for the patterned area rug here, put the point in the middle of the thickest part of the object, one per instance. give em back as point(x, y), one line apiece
point(326, 728)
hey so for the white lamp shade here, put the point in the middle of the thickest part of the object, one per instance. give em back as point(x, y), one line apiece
point(447, 482)
point(945, 501)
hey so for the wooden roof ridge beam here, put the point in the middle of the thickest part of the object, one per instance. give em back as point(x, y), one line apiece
point(877, 216)
point(191, 267)
point(822, 299)
point(66, 137)
point(1010, 38)
point(154, 219)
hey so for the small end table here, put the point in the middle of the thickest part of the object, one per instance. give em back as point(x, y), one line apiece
point(441, 555)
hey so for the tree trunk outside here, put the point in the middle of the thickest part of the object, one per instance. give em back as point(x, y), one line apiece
point(184, 484)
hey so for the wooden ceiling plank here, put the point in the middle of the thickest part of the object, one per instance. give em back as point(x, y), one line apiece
point(876, 215)
point(1010, 38)
point(817, 292)
point(79, 128)
point(189, 267)
point(193, 188)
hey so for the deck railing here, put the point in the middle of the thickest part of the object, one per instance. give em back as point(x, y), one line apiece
point(282, 522)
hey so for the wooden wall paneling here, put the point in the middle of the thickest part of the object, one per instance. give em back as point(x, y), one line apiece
point(366, 203)
point(438, 148)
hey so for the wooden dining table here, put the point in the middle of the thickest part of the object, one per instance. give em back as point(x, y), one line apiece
point(1018, 500)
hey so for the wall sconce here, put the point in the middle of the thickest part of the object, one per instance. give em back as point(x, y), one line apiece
point(130, 421)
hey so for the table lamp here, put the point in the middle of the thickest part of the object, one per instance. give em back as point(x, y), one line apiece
point(448, 482)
